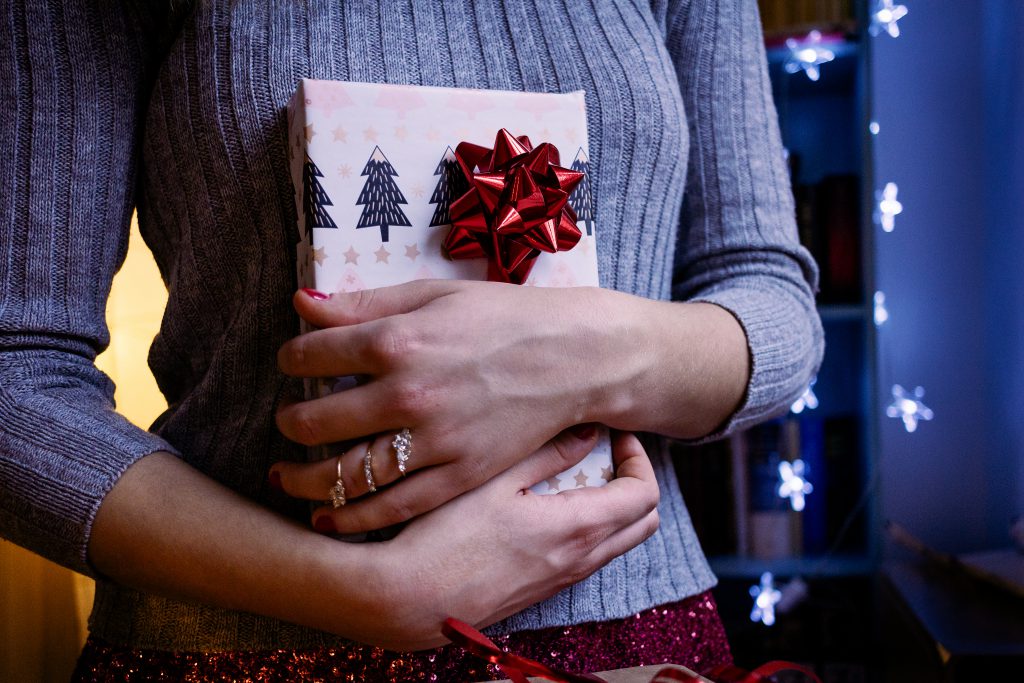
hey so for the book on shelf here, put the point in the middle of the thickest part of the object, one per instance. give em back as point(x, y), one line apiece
point(789, 17)
point(828, 224)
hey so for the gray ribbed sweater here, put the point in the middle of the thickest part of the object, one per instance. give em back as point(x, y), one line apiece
point(108, 105)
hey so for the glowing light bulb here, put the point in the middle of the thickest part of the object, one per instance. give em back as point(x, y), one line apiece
point(888, 207)
point(794, 484)
point(807, 55)
point(908, 407)
point(766, 596)
point(881, 312)
point(885, 17)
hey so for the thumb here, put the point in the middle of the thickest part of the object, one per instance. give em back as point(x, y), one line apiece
point(556, 456)
point(348, 308)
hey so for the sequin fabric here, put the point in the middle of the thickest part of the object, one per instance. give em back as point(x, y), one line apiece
point(688, 632)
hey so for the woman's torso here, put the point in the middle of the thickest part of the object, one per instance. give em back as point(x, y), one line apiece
point(217, 209)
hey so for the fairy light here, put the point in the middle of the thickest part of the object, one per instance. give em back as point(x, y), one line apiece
point(908, 407)
point(808, 399)
point(807, 55)
point(881, 312)
point(766, 596)
point(888, 207)
point(885, 17)
point(794, 483)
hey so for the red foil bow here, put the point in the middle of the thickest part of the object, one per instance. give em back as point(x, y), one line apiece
point(518, 668)
point(517, 206)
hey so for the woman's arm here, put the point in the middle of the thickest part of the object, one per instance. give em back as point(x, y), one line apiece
point(167, 529)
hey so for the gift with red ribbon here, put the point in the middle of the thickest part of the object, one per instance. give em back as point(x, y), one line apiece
point(518, 668)
point(515, 208)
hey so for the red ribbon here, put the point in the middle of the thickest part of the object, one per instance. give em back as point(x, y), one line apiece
point(518, 668)
point(516, 206)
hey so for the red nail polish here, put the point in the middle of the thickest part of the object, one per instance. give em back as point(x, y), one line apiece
point(325, 525)
point(583, 431)
point(315, 294)
point(275, 480)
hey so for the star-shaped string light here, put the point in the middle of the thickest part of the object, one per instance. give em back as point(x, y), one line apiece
point(881, 312)
point(807, 400)
point(888, 207)
point(794, 485)
point(766, 596)
point(908, 407)
point(885, 16)
point(807, 55)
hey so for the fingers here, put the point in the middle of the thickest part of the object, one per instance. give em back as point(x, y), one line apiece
point(343, 416)
point(349, 308)
point(611, 518)
point(557, 455)
point(311, 481)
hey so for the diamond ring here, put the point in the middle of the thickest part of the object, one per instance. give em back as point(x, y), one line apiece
point(402, 444)
point(337, 491)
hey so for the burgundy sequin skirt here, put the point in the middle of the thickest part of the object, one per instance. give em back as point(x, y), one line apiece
point(688, 632)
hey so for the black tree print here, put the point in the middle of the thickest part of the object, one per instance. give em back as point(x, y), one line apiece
point(580, 200)
point(450, 186)
point(381, 197)
point(314, 199)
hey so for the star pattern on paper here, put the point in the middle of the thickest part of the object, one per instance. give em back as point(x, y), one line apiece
point(554, 484)
point(401, 133)
point(344, 171)
point(433, 134)
point(382, 254)
point(351, 256)
point(370, 134)
point(572, 134)
point(418, 191)
point(340, 134)
point(309, 132)
point(607, 474)
point(412, 251)
point(581, 479)
point(545, 135)
point(319, 255)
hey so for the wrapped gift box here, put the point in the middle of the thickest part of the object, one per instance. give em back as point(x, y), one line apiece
point(375, 176)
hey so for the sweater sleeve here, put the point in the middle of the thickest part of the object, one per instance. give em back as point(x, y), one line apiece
point(72, 76)
point(738, 245)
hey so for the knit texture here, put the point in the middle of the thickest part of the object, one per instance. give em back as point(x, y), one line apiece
point(179, 109)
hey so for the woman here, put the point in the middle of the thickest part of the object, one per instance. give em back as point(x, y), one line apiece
point(179, 108)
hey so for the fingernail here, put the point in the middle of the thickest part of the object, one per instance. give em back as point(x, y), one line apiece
point(275, 480)
point(325, 525)
point(583, 431)
point(315, 294)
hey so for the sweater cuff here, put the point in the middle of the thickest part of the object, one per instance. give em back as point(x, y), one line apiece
point(785, 342)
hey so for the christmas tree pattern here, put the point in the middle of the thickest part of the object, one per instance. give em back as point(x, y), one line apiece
point(314, 199)
point(450, 186)
point(381, 198)
point(581, 200)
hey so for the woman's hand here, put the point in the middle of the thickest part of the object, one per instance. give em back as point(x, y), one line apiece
point(498, 549)
point(483, 374)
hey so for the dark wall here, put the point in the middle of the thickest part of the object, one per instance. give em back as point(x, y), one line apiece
point(947, 96)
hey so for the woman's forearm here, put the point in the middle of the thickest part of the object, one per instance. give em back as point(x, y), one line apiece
point(168, 529)
point(682, 368)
